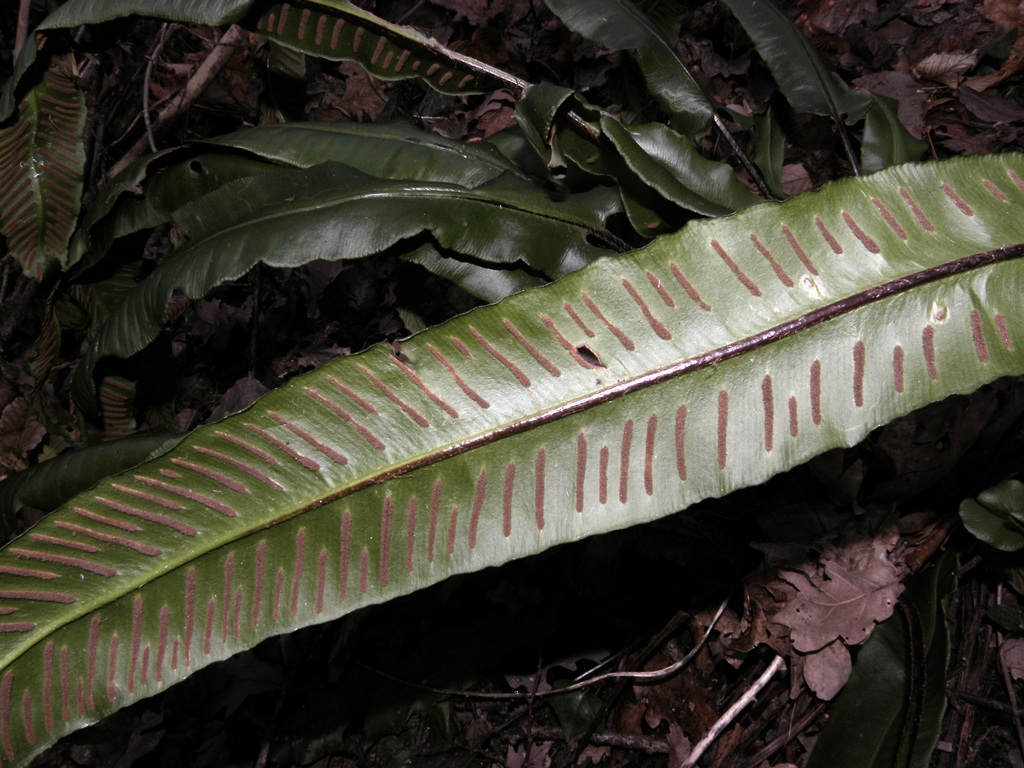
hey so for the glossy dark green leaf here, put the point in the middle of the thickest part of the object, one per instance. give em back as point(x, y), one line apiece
point(388, 151)
point(567, 133)
point(146, 195)
point(803, 76)
point(331, 211)
point(536, 114)
point(711, 360)
point(889, 715)
point(486, 282)
point(997, 516)
point(48, 485)
point(770, 150)
point(576, 711)
point(1009, 618)
point(886, 141)
point(621, 26)
point(669, 164)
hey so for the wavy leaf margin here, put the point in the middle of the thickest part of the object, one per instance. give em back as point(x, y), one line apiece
point(710, 360)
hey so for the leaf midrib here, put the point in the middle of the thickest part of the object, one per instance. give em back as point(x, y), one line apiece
point(708, 359)
point(437, 192)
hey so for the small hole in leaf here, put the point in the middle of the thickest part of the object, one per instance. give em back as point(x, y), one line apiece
point(197, 167)
point(588, 356)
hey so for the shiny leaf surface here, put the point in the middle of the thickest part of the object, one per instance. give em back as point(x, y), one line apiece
point(708, 361)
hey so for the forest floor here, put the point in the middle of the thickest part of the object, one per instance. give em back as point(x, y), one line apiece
point(460, 674)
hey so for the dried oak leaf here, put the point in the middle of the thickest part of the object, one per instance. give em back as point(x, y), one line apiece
point(20, 430)
point(826, 671)
point(855, 586)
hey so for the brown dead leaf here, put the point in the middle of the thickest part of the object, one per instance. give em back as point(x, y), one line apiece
point(854, 587)
point(991, 108)
point(833, 16)
point(473, 11)
point(738, 635)
point(496, 113)
point(795, 179)
point(528, 756)
point(826, 671)
point(909, 94)
point(217, 316)
point(239, 396)
point(20, 432)
point(1007, 14)
point(998, 138)
point(593, 755)
point(947, 68)
point(682, 700)
point(1011, 654)
point(491, 46)
point(1011, 66)
point(679, 746)
point(365, 97)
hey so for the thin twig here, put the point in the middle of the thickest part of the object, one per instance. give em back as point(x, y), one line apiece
point(755, 174)
point(981, 701)
point(204, 75)
point(844, 138)
point(530, 701)
point(401, 19)
point(655, 674)
point(783, 739)
point(151, 60)
point(733, 712)
point(573, 757)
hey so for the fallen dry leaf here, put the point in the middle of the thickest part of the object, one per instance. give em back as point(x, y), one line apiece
point(531, 756)
point(910, 96)
point(239, 396)
point(826, 671)
point(1007, 14)
point(990, 107)
point(795, 179)
point(946, 68)
point(833, 16)
point(365, 97)
point(855, 586)
point(473, 11)
point(679, 746)
point(1011, 654)
point(681, 700)
point(20, 430)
